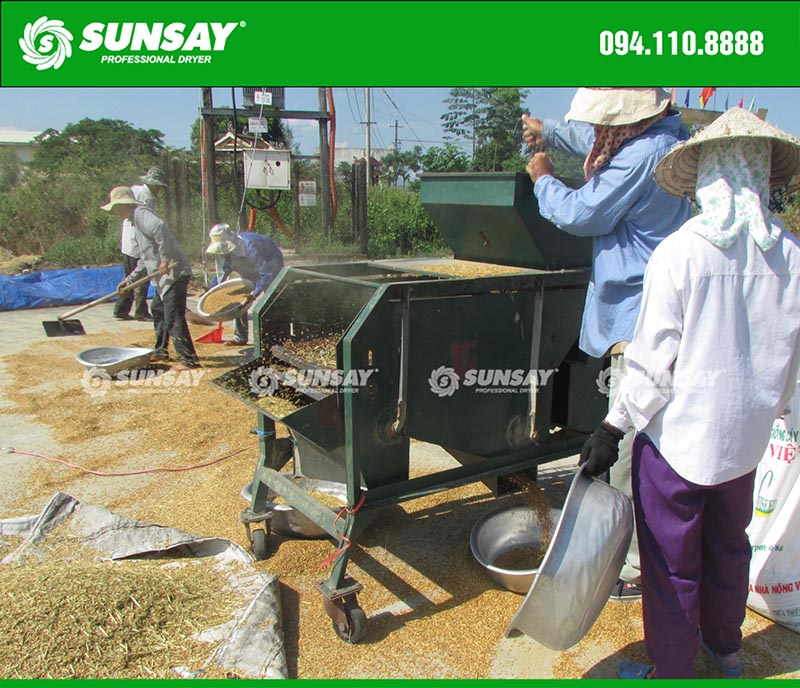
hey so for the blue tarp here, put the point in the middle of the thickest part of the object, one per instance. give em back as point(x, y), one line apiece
point(58, 287)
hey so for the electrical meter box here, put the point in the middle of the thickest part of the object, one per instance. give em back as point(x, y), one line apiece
point(268, 169)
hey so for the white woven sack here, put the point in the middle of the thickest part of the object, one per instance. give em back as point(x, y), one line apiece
point(775, 528)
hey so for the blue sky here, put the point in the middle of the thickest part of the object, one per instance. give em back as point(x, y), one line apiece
point(416, 110)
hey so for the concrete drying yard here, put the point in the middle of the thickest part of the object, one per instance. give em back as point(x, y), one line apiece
point(433, 613)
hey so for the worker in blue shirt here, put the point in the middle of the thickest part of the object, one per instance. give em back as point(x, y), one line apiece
point(252, 256)
point(621, 134)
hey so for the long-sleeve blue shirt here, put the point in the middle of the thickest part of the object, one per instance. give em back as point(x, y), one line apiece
point(261, 262)
point(624, 211)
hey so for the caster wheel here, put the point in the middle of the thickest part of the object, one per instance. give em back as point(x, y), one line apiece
point(356, 626)
point(260, 544)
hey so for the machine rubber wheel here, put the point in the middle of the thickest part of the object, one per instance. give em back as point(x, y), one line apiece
point(260, 544)
point(356, 624)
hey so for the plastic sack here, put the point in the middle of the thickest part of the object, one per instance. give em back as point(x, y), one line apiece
point(775, 527)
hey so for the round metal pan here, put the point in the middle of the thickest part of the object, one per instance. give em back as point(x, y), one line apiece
point(580, 567)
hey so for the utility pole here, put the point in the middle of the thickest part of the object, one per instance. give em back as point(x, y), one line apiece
point(325, 176)
point(369, 149)
point(207, 145)
point(396, 126)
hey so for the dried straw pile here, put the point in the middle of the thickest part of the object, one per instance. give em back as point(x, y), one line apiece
point(72, 616)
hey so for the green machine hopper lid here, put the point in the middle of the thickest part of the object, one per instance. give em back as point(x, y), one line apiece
point(494, 218)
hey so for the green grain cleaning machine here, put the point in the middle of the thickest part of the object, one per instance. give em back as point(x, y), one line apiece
point(477, 354)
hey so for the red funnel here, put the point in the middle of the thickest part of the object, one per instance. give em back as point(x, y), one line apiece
point(213, 337)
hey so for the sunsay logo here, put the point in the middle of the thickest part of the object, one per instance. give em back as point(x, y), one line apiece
point(46, 43)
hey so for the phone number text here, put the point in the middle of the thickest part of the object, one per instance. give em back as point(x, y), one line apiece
point(684, 43)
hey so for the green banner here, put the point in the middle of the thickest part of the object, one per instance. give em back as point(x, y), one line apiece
point(400, 43)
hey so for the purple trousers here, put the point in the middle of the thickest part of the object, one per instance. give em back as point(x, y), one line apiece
point(695, 558)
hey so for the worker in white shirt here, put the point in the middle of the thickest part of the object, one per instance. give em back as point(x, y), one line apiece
point(713, 361)
point(147, 192)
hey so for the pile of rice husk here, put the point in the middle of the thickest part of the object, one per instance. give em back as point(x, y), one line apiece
point(223, 299)
point(433, 611)
point(467, 268)
point(66, 614)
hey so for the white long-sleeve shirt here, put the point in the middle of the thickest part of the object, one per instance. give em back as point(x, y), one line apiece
point(714, 358)
point(141, 192)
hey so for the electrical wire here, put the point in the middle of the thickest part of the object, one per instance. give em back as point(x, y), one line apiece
point(110, 474)
point(405, 121)
point(345, 539)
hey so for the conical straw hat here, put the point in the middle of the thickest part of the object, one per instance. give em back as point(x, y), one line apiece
point(677, 171)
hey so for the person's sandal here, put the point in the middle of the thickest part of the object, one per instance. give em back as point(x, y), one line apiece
point(629, 669)
point(728, 671)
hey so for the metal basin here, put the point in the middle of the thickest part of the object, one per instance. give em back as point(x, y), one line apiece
point(508, 529)
point(231, 312)
point(580, 566)
point(288, 521)
point(113, 359)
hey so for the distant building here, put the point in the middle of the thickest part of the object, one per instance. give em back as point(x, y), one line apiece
point(348, 155)
point(225, 144)
point(22, 142)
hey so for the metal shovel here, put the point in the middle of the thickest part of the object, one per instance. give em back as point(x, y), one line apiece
point(66, 328)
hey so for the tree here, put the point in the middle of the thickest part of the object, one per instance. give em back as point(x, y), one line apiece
point(447, 158)
point(95, 144)
point(463, 116)
point(499, 132)
point(488, 120)
point(401, 164)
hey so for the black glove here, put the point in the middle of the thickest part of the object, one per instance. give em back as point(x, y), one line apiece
point(601, 450)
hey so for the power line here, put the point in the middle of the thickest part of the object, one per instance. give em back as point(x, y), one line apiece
point(350, 105)
point(405, 121)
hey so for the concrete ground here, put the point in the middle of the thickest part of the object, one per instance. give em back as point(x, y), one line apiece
point(516, 657)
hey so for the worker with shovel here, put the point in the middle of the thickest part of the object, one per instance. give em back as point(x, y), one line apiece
point(159, 255)
point(147, 192)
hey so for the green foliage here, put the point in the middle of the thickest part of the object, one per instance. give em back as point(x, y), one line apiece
point(566, 166)
point(398, 224)
point(401, 164)
point(791, 215)
point(488, 120)
point(85, 250)
point(463, 116)
point(447, 158)
point(10, 169)
point(500, 131)
point(95, 144)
